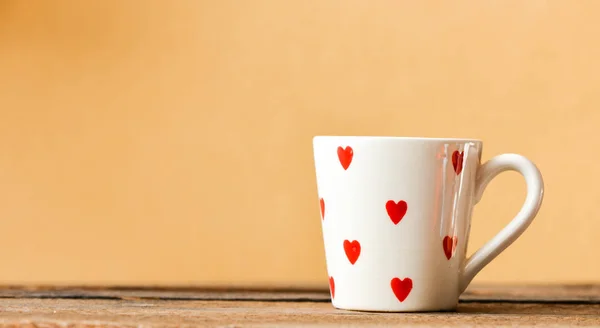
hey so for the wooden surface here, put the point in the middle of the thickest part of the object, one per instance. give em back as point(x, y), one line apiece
point(564, 306)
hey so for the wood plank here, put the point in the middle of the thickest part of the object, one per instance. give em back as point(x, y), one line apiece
point(48, 306)
point(479, 293)
point(159, 313)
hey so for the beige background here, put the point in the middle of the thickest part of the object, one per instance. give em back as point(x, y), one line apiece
point(157, 142)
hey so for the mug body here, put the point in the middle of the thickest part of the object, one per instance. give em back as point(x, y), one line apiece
point(395, 215)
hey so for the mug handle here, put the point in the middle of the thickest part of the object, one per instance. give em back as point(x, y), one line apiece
point(533, 201)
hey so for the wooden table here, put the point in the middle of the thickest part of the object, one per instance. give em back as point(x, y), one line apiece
point(562, 306)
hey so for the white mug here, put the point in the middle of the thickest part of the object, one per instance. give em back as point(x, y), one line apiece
point(396, 215)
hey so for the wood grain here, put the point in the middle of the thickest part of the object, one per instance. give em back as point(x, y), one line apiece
point(477, 293)
point(557, 306)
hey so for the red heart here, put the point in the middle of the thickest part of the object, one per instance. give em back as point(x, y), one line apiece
point(322, 202)
point(352, 249)
point(449, 244)
point(402, 288)
point(457, 161)
point(396, 211)
point(345, 155)
point(332, 287)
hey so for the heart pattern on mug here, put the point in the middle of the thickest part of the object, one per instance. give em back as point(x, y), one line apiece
point(332, 287)
point(396, 211)
point(352, 249)
point(345, 156)
point(457, 161)
point(401, 288)
point(449, 244)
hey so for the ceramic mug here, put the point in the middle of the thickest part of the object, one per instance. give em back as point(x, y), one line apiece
point(396, 215)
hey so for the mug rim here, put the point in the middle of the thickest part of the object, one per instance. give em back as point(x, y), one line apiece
point(398, 138)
